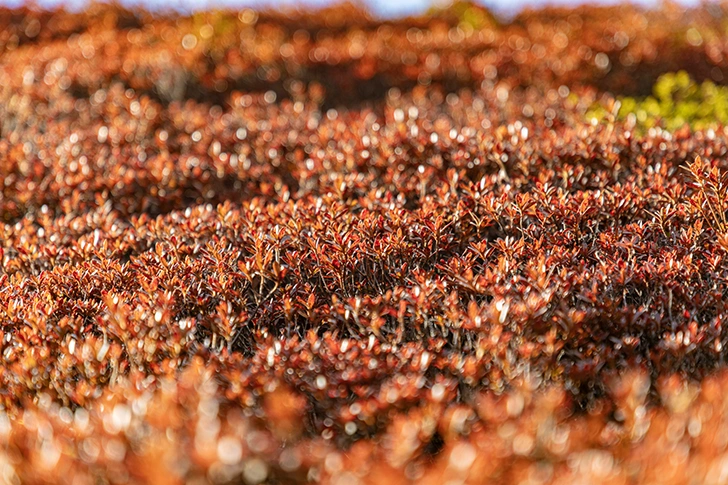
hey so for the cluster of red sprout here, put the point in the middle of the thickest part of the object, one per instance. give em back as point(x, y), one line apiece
point(249, 247)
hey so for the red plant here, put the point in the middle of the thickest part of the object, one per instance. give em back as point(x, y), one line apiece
point(270, 249)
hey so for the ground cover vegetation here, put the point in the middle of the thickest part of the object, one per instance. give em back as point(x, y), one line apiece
point(260, 247)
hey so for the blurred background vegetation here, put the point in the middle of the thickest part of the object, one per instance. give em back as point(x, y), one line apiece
point(677, 100)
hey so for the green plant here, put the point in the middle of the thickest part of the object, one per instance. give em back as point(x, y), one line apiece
point(677, 101)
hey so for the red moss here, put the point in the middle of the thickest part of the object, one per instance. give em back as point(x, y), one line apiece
point(251, 247)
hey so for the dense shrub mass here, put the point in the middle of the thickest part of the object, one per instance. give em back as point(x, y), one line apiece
point(249, 247)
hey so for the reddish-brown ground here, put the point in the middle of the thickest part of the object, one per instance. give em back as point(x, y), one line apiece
point(254, 248)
